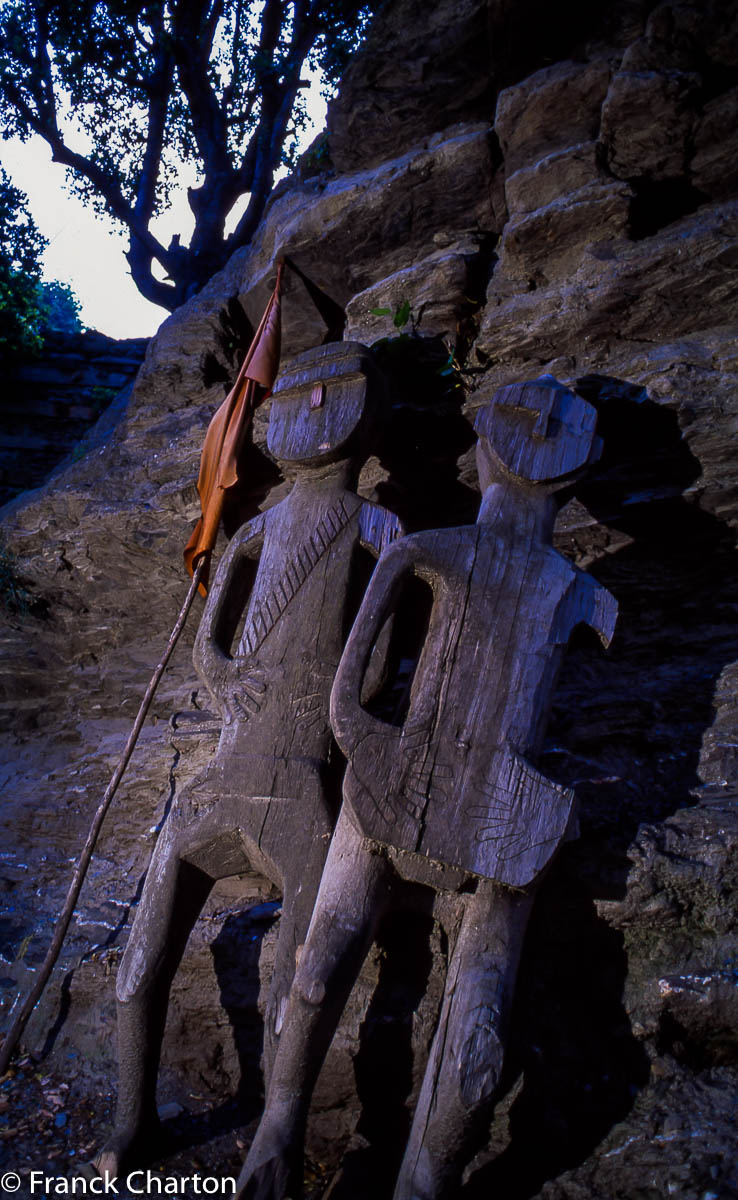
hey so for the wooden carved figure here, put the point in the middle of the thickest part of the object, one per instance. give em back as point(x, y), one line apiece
point(269, 801)
point(448, 811)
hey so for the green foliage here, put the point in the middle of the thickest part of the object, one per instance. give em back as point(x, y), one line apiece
point(61, 308)
point(400, 317)
point(21, 315)
point(318, 157)
point(21, 246)
point(215, 83)
point(451, 370)
point(28, 307)
point(14, 597)
point(425, 351)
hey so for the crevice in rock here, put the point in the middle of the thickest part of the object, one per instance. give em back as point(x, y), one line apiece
point(658, 203)
point(213, 370)
point(717, 78)
point(172, 782)
point(480, 272)
point(236, 951)
point(384, 1064)
point(698, 1048)
point(425, 435)
point(237, 330)
point(232, 341)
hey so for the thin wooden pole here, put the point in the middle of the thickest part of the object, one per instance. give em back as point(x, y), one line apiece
point(14, 1033)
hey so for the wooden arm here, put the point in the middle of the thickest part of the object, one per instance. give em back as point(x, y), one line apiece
point(226, 601)
point(597, 607)
point(350, 721)
point(586, 602)
point(378, 529)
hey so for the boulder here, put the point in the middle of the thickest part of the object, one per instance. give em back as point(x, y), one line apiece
point(549, 111)
point(715, 147)
point(647, 121)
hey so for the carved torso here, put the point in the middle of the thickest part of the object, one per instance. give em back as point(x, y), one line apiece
point(294, 628)
point(453, 783)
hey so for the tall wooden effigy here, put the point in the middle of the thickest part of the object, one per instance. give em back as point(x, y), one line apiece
point(268, 802)
point(448, 811)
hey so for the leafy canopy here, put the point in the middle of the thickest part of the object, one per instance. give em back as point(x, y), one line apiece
point(28, 307)
point(61, 308)
point(125, 92)
point(21, 244)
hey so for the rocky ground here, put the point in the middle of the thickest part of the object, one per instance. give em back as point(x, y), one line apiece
point(52, 1123)
point(547, 191)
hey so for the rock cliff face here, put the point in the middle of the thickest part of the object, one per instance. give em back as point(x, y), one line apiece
point(547, 197)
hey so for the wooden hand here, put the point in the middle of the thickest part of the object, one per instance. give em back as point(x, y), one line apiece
point(244, 689)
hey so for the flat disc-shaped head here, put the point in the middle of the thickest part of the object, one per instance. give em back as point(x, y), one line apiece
point(324, 404)
point(539, 431)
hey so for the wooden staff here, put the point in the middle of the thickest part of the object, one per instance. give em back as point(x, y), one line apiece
point(14, 1033)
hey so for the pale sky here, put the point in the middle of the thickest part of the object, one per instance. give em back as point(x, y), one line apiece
point(86, 251)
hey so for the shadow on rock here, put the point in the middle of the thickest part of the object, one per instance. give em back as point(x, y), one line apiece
point(236, 952)
point(384, 1064)
point(425, 435)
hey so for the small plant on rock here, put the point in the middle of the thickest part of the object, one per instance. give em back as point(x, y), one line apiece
point(400, 317)
point(14, 597)
point(433, 352)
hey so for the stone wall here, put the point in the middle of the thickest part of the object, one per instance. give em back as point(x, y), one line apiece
point(547, 195)
point(51, 401)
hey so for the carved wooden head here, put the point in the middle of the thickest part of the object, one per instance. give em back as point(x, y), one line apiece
point(325, 405)
point(540, 432)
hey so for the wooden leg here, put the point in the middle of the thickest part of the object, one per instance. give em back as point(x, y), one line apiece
point(467, 1052)
point(300, 888)
point(347, 909)
point(173, 897)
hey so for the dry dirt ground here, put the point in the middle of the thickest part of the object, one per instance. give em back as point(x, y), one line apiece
point(53, 1125)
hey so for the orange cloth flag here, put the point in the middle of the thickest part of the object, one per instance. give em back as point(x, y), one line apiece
point(227, 430)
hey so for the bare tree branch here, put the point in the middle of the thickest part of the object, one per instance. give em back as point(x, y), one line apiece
point(192, 56)
point(160, 89)
point(231, 89)
point(145, 82)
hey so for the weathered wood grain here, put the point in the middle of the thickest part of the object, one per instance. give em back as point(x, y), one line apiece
point(521, 426)
point(267, 649)
point(455, 788)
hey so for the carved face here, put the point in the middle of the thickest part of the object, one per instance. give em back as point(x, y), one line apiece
point(323, 403)
point(540, 432)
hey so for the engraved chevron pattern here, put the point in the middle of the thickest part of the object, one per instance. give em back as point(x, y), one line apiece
point(268, 611)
